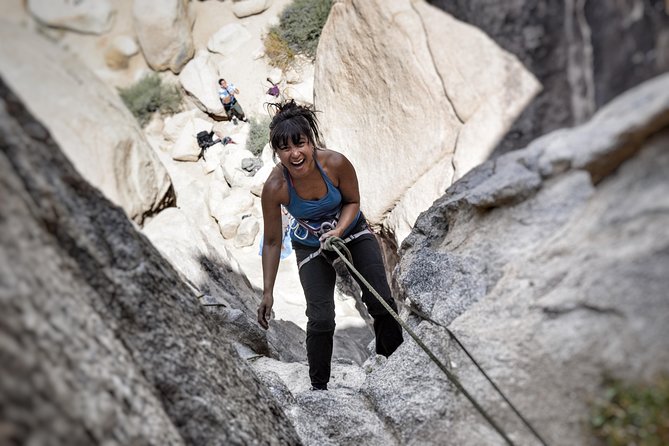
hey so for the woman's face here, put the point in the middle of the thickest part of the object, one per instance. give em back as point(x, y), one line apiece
point(297, 158)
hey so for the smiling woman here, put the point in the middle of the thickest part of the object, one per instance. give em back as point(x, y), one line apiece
point(319, 188)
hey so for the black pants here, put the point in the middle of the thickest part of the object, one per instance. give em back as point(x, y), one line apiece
point(318, 281)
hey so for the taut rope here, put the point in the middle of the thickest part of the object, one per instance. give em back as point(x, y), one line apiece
point(338, 246)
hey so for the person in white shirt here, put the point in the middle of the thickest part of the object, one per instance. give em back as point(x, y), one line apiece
point(227, 93)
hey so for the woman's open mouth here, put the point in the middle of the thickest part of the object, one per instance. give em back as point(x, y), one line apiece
point(298, 163)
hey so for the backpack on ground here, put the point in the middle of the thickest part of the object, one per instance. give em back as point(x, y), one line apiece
point(273, 90)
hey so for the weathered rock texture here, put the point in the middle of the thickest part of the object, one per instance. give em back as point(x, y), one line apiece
point(120, 50)
point(163, 29)
point(198, 253)
point(228, 39)
point(549, 264)
point(86, 16)
point(414, 98)
point(584, 53)
point(246, 8)
point(87, 119)
point(199, 79)
point(101, 342)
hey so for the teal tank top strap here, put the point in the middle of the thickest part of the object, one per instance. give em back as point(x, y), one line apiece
point(326, 178)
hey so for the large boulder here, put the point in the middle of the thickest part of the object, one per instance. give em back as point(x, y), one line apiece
point(235, 175)
point(245, 8)
point(102, 342)
point(549, 264)
point(247, 232)
point(427, 93)
point(174, 124)
point(199, 79)
point(186, 147)
point(120, 50)
point(163, 29)
point(87, 119)
point(583, 53)
point(85, 16)
point(228, 39)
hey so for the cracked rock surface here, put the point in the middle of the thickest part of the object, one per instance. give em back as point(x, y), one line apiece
point(555, 280)
point(100, 339)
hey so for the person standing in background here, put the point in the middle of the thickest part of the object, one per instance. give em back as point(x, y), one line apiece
point(233, 109)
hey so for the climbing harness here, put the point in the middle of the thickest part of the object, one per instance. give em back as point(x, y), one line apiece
point(301, 229)
point(338, 245)
point(320, 250)
point(295, 224)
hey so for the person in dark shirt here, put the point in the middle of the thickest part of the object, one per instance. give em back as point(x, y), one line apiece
point(319, 188)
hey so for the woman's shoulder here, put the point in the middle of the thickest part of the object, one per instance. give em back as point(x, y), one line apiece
point(276, 184)
point(276, 178)
point(336, 166)
point(332, 158)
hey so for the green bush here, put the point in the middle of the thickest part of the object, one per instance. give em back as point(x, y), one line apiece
point(299, 29)
point(149, 95)
point(258, 135)
point(633, 414)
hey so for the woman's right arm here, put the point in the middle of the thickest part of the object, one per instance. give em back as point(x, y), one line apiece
point(271, 199)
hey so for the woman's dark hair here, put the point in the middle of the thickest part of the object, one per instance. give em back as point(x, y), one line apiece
point(292, 121)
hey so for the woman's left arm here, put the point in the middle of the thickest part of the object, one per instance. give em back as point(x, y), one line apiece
point(341, 169)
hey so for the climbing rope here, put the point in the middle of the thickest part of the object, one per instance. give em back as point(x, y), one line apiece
point(478, 366)
point(337, 245)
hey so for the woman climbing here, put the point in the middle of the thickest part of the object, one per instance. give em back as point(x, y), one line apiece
point(319, 188)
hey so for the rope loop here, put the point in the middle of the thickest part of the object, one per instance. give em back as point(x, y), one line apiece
point(332, 243)
point(338, 245)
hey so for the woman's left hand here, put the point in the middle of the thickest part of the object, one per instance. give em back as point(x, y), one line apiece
point(333, 233)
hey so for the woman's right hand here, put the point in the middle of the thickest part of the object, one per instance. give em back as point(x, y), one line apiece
point(265, 310)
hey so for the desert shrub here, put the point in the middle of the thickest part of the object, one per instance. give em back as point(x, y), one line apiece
point(633, 414)
point(299, 29)
point(302, 22)
point(258, 135)
point(277, 50)
point(149, 95)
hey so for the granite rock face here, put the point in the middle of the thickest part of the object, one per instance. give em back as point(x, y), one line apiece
point(85, 16)
point(163, 31)
point(584, 53)
point(88, 120)
point(548, 264)
point(102, 342)
point(415, 99)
